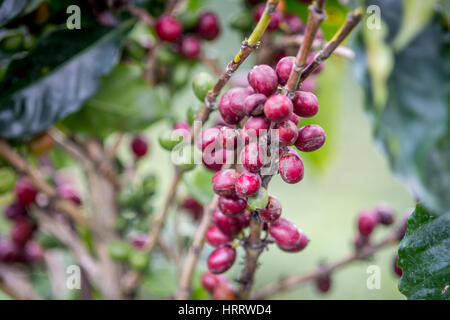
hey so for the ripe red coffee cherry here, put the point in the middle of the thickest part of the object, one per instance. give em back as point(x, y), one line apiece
point(221, 259)
point(224, 291)
point(215, 237)
point(211, 280)
point(310, 138)
point(228, 225)
point(232, 206)
point(193, 207)
point(190, 47)
point(68, 192)
point(300, 245)
point(257, 126)
point(385, 214)
point(15, 211)
point(25, 191)
point(367, 220)
point(225, 110)
point(305, 104)
point(398, 271)
point(275, 20)
point(228, 138)
point(295, 119)
point(278, 108)
point(21, 232)
point(285, 233)
point(254, 104)
point(139, 146)
point(215, 159)
point(263, 79)
point(139, 240)
point(248, 184)
point(207, 137)
point(272, 211)
point(208, 25)
point(284, 68)
point(291, 168)
point(244, 219)
point(9, 252)
point(237, 99)
point(294, 24)
point(252, 157)
point(323, 283)
point(168, 28)
point(287, 133)
point(223, 182)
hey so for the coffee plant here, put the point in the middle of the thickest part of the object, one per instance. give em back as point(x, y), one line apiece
point(84, 84)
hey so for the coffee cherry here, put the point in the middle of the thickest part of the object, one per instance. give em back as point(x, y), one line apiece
point(210, 280)
point(398, 271)
point(367, 220)
point(263, 79)
point(259, 200)
point(252, 157)
point(278, 108)
point(310, 138)
point(186, 159)
point(9, 252)
point(7, 179)
point(139, 260)
point(221, 259)
point(285, 234)
point(21, 231)
point(275, 20)
point(139, 146)
point(228, 138)
point(181, 125)
point(272, 211)
point(223, 182)
point(244, 219)
point(295, 119)
point(257, 126)
point(294, 24)
point(309, 85)
point(25, 191)
point(190, 47)
point(68, 192)
point(208, 137)
point(139, 240)
point(232, 206)
point(208, 25)
point(193, 207)
point(15, 211)
point(284, 68)
point(33, 252)
point(168, 28)
point(170, 139)
point(287, 133)
point(323, 283)
point(224, 291)
point(215, 159)
point(41, 144)
point(228, 225)
point(300, 245)
point(305, 104)
point(237, 99)
point(119, 250)
point(248, 184)
point(201, 84)
point(254, 104)
point(385, 214)
point(225, 110)
point(291, 168)
point(215, 237)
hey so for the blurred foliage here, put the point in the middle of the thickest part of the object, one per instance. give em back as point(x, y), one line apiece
point(424, 256)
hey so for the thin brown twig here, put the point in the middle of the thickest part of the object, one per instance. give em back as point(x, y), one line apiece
point(16, 283)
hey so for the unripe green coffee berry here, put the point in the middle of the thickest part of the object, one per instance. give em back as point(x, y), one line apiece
point(185, 158)
point(169, 139)
point(7, 179)
point(188, 19)
point(202, 83)
point(119, 250)
point(149, 185)
point(49, 242)
point(12, 42)
point(190, 114)
point(258, 201)
point(139, 260)
point(180, 75)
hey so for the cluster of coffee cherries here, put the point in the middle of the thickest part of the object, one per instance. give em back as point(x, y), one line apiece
point(20, 247)
point(187, 32)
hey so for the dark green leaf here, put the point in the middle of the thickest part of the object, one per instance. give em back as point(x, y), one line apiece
point(424, 256)
point(10, 9)
point(56, 78)
point(124, 102)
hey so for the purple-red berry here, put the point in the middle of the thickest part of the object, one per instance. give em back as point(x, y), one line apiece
point(67, 191)
point(284, 68)
point(398, 271)
point(291, 168)
point(228, 225)
point(208, 137)
point(208, 25)
point(210, 280)
point(305, 104)
point(139, 146)
point(367, 220)
point(237, 99)
point(227, 114)
point(168, 28)
point(310, 138)
point(252, 157)
point(248, 184)
point(278, 108)
point(232, 206)
point(287, 236)
point(21, 231)
point(257, 126)
point(193, 207)
point(190, 47)
point(385, 214)
point(263, 79)
point(223, 182)
point(287, 133)
point(25, 191)
point(15, 211)
point(323, 283)
point(272, 211)
point(254, 104)
point(215, 237)
point(221, 259)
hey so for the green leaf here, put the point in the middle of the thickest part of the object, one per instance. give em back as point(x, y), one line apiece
point(124, 102)
point(413, 124)
point(57, 77)
point(424, 256)
point(198, 184)
point(9, 9)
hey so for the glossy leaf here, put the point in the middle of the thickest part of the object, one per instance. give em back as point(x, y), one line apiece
point(424, 256)
point(56, 78)
point(124, 102)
